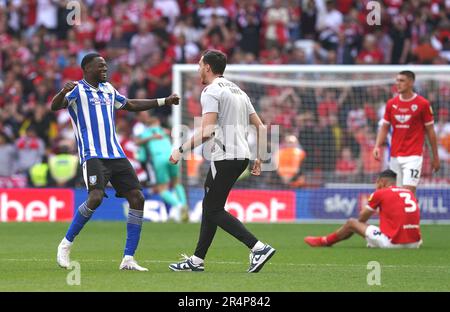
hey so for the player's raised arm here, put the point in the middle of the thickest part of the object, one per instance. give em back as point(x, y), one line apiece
point(137, 105)
point(59, 101)
point(431, 134)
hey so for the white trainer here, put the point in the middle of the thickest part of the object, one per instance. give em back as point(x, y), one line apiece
point(63, 256)
point(128, 263)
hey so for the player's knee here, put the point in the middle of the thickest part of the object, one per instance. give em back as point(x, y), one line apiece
point(140, 200)
point(136, 200)
point(95, 198)
point(351, 222)
point(211, 209)
point(205, 210)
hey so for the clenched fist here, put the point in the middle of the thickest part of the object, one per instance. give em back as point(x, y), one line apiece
point(69, 86)
point(172, 99)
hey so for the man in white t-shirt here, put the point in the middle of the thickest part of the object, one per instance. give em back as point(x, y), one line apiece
point(226, 114)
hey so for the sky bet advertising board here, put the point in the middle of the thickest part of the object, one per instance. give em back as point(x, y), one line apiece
point(249, 205)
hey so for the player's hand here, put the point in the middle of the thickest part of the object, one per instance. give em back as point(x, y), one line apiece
point(175, 157)
point(173, 99)
point(376, 153)
point(436, 165)
point(256, 171)
point(69, 86)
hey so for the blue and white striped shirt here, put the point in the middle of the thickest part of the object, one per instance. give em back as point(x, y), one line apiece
point(92, 113)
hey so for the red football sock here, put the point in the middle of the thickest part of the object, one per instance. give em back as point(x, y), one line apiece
point(332, 238)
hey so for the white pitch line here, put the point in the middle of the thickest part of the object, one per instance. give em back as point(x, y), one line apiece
point(245, 263)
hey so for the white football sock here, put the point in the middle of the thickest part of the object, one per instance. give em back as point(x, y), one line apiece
point(65, 241)
point(196, 260)
point(259, 245)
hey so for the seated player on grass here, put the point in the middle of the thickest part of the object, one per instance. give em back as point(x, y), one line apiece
point(399, 219)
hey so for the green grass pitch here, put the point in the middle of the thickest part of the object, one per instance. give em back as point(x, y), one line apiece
point(28, 252)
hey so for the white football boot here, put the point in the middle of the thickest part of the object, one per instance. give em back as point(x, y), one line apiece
point(63, 256)
point(128, 263)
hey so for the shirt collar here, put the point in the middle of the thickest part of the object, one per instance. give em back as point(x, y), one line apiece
point(218, 77)
point(91, 86)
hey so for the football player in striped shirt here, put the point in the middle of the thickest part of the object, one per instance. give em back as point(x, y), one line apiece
point(92, 103)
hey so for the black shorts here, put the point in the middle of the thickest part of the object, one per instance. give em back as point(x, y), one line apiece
point(97, 172)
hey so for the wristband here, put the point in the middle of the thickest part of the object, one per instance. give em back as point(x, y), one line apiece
point(161, 101)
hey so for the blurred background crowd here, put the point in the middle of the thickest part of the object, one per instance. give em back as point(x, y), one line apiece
point(141, 39)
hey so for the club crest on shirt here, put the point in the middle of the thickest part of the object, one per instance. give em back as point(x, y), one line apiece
point(414, 107)
point(402, 118)
point(93, 180)
point(107, 100)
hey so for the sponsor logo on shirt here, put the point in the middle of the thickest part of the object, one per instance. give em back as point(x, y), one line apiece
point(402, 118)
point(95, 101)
point(410, 226)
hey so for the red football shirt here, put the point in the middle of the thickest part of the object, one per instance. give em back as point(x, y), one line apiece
point(399, 214)
point(408, 120)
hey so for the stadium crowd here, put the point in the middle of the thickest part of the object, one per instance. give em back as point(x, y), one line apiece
point(141, 39)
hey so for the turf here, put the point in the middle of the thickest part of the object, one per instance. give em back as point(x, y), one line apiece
point(28, 251)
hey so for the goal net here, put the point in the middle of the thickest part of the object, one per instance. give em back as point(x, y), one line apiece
point(322, 122)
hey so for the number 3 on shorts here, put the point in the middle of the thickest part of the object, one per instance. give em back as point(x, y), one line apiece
point(410, 205)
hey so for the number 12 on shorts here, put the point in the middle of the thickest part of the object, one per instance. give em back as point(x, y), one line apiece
point(414, 173)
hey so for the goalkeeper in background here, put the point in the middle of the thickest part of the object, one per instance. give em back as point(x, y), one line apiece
point(156, 147)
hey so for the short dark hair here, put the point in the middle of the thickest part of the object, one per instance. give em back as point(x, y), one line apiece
point(388, 174)
point(217, 60)
point(408, 74)
point(88, 58)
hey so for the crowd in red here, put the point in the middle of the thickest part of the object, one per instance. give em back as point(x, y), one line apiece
point(43, 41)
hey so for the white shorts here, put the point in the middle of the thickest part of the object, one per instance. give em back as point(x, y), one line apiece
point(408, 169)
point(376, 239)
